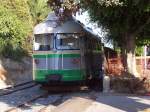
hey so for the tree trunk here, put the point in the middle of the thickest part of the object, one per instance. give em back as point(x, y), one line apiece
point(129, 50)
point(124, 56)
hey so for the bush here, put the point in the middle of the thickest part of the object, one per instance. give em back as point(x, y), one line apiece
point(8, 51)
point(12, 34)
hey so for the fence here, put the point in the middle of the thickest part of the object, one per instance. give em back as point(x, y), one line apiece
point(115, 66)
point(143, 66)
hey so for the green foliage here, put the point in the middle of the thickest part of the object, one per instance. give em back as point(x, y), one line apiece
point(19, 8)
point(17, 18)
point(38, 10)
point(64, 8)
point(12, 34)
point(12, 28)
point(15, 25)
point(121, 17)
point(15, 53)
point(139, 50)
point(128, 22)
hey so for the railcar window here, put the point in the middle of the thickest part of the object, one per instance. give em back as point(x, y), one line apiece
point(98, 47)
point(67, 42)
point(43, 42)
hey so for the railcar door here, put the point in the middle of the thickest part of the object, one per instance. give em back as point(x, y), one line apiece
point(69, 46)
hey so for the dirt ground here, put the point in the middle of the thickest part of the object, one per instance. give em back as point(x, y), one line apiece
point(105, 103)
point(82, 102)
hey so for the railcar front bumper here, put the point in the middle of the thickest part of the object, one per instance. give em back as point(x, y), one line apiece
point(53, 78)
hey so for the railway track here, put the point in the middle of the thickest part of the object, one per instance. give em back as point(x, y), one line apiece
point(50, 90)
point(16, 88)
point(55, 103)
point(26, 103)
point(63, 89)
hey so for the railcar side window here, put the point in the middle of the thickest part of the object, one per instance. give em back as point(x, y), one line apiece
point(67, 42)
point(98, 46)
point(43, 42)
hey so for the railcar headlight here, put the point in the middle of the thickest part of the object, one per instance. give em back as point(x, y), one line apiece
point(76, 61)
point(36, 61)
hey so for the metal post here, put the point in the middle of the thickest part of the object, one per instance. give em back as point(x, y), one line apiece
point(106, 79)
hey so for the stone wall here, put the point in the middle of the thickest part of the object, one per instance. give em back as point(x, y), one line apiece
point(14, 72)
point(130, 85)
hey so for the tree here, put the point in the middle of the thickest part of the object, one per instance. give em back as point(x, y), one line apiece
point(19, 8)
point(39, 10)
point(17, 18)
point(64, 8)
point(15, 25)
point(126, 20)
point(12, 34)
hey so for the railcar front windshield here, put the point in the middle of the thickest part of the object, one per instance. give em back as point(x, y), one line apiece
point(43, 42)
point(67, 42)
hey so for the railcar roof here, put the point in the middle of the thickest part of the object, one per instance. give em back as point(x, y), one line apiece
point(51, 26)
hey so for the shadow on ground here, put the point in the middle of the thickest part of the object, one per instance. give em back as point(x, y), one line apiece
point(100, 102)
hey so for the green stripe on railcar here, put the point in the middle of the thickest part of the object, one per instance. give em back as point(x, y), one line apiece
point(66, 74)
point(55, 55)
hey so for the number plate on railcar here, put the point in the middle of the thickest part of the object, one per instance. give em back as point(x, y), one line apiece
point(54, 77)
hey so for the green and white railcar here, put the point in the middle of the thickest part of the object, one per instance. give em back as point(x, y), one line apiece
point(64, 52)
